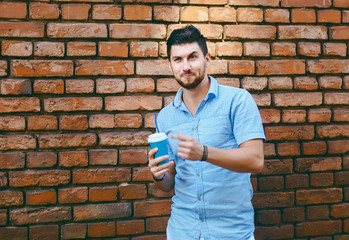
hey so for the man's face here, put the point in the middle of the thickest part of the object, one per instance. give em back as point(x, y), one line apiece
point(188, 64)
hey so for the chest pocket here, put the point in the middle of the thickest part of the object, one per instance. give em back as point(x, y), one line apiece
point(216, 132)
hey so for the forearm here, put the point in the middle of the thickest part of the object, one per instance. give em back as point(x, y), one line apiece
point(167, 184)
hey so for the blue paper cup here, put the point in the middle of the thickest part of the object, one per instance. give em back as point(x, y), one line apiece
point(159, 140)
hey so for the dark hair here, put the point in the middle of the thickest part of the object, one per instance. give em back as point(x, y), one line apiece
point(188, 34)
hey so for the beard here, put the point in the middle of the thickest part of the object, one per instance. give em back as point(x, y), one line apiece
point(193, 84)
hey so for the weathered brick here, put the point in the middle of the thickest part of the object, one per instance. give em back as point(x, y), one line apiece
point(39, 178)
point(128, 120)
point(317, 212)
point(204, 2)
point(104, 67)
point(340, 210)
point(283, 49)
point(297, 99)
point(75, 11)
point(138, 12)
point(41, 159)
point(16, 48)
point(321, 179)
point(15, 86)
point(289, 132)
point(241, 67)
point(271, 183)
point(273, 200)
point(167, 85)
point(73, 104)
point(232, 82)
point(121, 103)
point(256, 49)
point(73, 195)
point(341, 114)
point(14, 233)
point(140, 85)
point(309, 49)
point(129, 30)
point(269, 149)
point(79, 86)
point(102, 121)
point(270, 115)
point(293, 116)
point(67, 140)
point(271, 3)
point(217, 67)
point(43, 11)
point(318, 164)
point(210, 31)
point(339, 32)
point(11, 198)
point(49, 86)
point(250, 32)
point(23, 29)
point(11, 142)
point(103, 229)
point(319, 196)
point(300, 15)
point(277, 15)
point(81, 49)
point(113, 49)
point(309, 3)
point(146, 67)
point(222, 14)
point(49, 49)
point(3, 68)
point(39, 215)
point(330, 82)
point(314, 148)
point(340, 3)
point(268, 217)
point(133, 191)
point(345, 16)
point(293, 214)
point(335, 49)
point(41, 68)
point(102, 211)
point(288, 149)
point(73, 159)
point(123, 138)
point(12, 123)
point(166, 13)
point(13, 10)
point(21, 104)
point(280, 67)
point(332, 131)
point(340, 98)
point(152, 208)
point(103, 175)
point(76, 30)
point(329, 16)
point(110, 85)
point(254, 83)
point(297, 181)
point(74, 230)
point(302, 32)
point(319, 115)
point(141, 174)
point(263, 99)
point(154, 191)
point(106, 12)
point(305, 83)
point(41, 197)
point(101, 194)
point(133, 156)
point(250, 15)
point(328, 66)
point(278, 83)
point(318, 228)
point(275, 232)
point(44, 232)
point(103, 157)
point(342, 178)
point(42, 122)
point(273, 167)
point(229, 49)
point(73, 122)
point(157, 224)
point(3, 183)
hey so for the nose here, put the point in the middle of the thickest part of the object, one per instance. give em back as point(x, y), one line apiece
point(186, 65)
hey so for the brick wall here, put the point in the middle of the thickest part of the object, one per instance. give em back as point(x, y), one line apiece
point(80, 81)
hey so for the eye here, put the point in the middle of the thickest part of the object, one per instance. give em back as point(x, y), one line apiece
point(192, 57)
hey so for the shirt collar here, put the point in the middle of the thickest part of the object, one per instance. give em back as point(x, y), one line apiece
point(212, 91)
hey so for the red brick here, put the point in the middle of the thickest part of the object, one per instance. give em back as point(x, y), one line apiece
point(289, 133)
point(330, 82)
point(250, 32)
point(272, 3)
point(110, 85)
point(210, 31)
point(16, 48)
point(318, 228)
point(293, 116)
point(13, 233)
point(121, 103)
point(42, 122)
point(222, 14)
point(133, 156)
point(73, 230)
point(102, 211)
point(340, 210)
point(141, 174)
point(232, 82)
point(49, 49)
point(73, 195)
point(217, 67)
point(103, 157)
point(146, 67)
point(268, 217)
point(128, 120)
point(345, 16)
point(297, 181)
point(123, 138)
point(340, 3)
point(340, 98)
point(288, 149)
point(81, 49)
point(157, 224)
point(39, 178)
point(317, 212)
point(254, 83)
point(241, 67)
point(339, 32)
point(342, 178)
point(193, 13)
point(305, 83)
point(11, 142)
point(73, 159)
point(79, 86)
point(328, 66)
point(41, 159)
point(314, 148)
point(13, 10)
point(75, 11)
point(140, 85)
point(102, 121)
point(297, 99)
point(154, 191)
point(152, 208)
point(319, 115)
point(49, 86)
point(302, 32)
point(346, 82)
point(316, 164)
point(73, 104)
point(103, 175)
point(41, 68)
point(256, 49)
point(3, 183)
point(167, 85)
point(293, 214)
point(43, 11)
point(138, 12)
point(41, 197)
point(106, 12)
point(20, 104)
point(273, 200)
point(277, 15)
point(77, 30)
point(67, 140)
point(102, 194)
point(44, 232)
point(166, 13)
point(149, 121)
point(129, 31)
point(321, 179)
point(113, 49)
point(11, 198)
point(73, 122)
point(272, 167)
point(3, 68)
point(270, 115)
point(263, 99)
point(250, 15)
point(309, 3)
point(15, 86)
point(332, 131)
point(335, 49)
point(104, 229)
point(104, 67)
point(275, 232)
point(269, 149)
point(12, 123)
point(280, 67)
point(319, 196)
point(309, 49)
point(23, 29)
point(144, 49)
point(329, 16)
point(271, 183)
point(39, 215)
point(133, 191)
point(341, 114)
point(229, 49)
point(283, 49)
point(130, 227)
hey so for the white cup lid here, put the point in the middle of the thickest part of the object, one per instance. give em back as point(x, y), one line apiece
point(157, 137)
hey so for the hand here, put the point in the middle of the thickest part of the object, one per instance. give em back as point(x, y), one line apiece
point(158, 171)
point(188, 147)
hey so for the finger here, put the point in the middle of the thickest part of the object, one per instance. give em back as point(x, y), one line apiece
point(181, 137)
point(152, 152)
point(185, 144)
point(158, 160)
point(160, 174)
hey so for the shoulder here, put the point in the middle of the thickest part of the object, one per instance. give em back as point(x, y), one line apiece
point(232, 92)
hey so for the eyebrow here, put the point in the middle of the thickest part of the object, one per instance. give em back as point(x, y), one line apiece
point(193, 52)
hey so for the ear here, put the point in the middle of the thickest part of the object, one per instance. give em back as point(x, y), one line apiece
point(208, 58)
point(169, 65)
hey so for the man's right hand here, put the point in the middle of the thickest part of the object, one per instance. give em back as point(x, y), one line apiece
point(158, 171)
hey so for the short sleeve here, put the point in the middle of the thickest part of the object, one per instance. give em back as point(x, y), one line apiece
point(245, 118)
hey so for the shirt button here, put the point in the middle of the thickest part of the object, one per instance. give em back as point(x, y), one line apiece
point(202, 220)
point(194, 129)
point(199, 198)
point(198, 175)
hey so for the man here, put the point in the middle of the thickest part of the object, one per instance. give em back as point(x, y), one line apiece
point(216, 141)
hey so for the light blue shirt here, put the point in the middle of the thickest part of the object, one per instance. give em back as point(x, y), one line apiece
point(210, 199)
